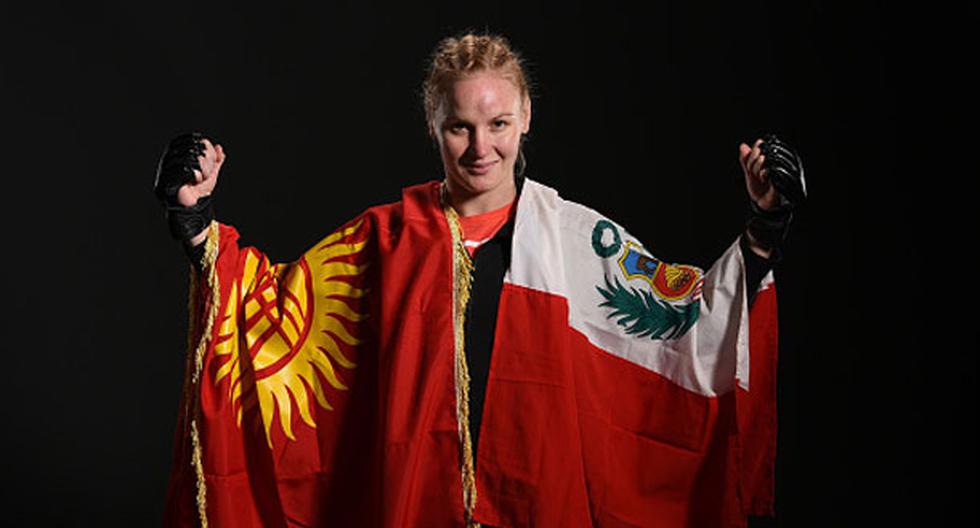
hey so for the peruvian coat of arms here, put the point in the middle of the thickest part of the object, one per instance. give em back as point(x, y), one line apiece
point(646, 296)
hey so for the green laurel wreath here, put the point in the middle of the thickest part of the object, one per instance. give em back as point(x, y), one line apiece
point(640, 313)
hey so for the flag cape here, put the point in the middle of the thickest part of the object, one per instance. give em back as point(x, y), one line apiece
point(332, 391)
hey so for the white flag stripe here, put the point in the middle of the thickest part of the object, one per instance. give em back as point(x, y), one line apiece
point(554, 252)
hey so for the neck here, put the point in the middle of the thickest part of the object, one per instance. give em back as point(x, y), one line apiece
point(467, 203)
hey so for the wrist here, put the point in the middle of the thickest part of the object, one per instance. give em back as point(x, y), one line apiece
point(767, 228)
point(755, 246)
point(195, 253)
point(199, 238)
point(191, 223)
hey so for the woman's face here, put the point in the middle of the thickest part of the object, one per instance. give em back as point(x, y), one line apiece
point(478, 127)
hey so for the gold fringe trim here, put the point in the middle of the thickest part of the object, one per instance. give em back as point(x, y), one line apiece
point(208, 265)
point(193, 409)
point(462, 281)
point(202, 495)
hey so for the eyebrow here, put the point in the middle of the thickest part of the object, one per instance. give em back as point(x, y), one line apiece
point(498, 116)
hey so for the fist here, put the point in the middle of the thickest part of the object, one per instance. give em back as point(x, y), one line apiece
point(188, 170)
point(773, 173)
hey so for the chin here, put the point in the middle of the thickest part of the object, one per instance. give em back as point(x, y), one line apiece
point(480, 183)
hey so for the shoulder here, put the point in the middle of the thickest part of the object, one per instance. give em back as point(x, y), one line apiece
point(385, 219)
point(418, 202)
point(545, 205)
point(545, 198)
point(577, 225)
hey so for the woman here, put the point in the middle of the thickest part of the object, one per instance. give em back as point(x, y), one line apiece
point(347, 388)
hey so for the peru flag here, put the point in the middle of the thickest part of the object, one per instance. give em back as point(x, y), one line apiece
point(624, 391)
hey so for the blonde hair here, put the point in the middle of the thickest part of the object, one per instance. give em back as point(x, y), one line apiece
point(457, 57)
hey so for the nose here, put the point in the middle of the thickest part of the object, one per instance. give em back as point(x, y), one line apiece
point(480, 143)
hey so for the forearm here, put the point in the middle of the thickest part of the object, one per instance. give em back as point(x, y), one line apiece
point(757, 264)
point(754, 246)
point(194, 249)
point(198, 239)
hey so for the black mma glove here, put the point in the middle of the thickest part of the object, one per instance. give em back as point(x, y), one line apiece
point(176, 169)
point(785, 171)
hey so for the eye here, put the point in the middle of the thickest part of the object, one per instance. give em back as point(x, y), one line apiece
point(457, 128)
point(499, 123)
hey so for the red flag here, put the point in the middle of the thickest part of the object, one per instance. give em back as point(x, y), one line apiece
point(333, 390)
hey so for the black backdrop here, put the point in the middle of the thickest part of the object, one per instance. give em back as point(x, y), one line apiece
point(637, 113)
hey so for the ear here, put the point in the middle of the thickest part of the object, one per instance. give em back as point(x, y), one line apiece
point(432, 132)
point(526, 114)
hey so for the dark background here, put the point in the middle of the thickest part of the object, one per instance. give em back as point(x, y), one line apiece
point(637, 113)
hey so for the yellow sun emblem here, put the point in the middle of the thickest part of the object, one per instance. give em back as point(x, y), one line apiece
point(293, 320)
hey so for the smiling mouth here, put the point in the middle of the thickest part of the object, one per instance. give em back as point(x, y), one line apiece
point(480, 168)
